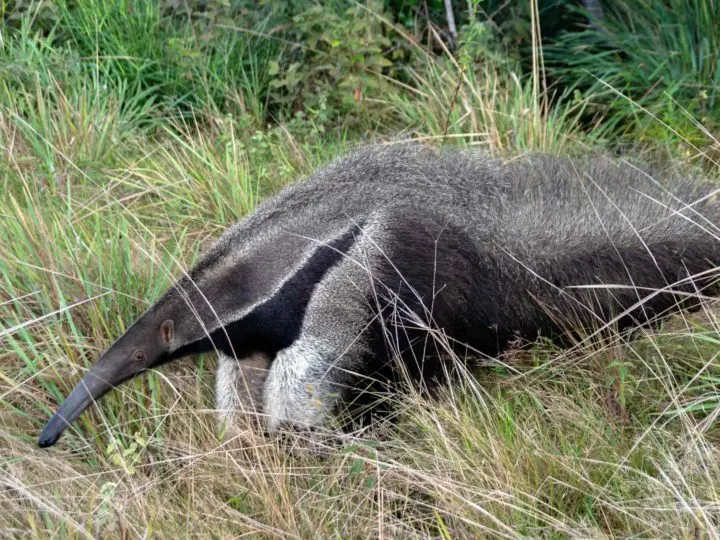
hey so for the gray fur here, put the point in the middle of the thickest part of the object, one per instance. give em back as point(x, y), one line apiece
point(337, 273)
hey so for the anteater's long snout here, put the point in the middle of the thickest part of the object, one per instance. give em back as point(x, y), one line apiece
point(89, 390)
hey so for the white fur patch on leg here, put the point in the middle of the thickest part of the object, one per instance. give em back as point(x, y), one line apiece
point(239, 385)
point(309, 378)
point(301, 389)
point(226, 399)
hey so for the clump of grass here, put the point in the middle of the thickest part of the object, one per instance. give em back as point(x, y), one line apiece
point(471, 97)
point(177, 65)
point(651, 68)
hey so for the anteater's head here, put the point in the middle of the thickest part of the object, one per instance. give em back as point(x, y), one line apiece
point(182, 322)
point(236, 303)
point(148, 343)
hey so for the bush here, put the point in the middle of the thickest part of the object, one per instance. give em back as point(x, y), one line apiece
point(651, 68)
point(326, 63)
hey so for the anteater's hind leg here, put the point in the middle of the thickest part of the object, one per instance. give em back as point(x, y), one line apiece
point(239, 387)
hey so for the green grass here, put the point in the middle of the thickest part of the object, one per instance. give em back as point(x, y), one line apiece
point(653, 69)
point(108, 193)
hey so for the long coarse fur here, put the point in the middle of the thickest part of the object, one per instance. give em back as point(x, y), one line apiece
point(391, 240)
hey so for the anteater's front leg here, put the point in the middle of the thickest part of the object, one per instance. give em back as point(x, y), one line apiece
point(310, 379)
point(239, 386)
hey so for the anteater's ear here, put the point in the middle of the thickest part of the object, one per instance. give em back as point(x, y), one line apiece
point(167, 329)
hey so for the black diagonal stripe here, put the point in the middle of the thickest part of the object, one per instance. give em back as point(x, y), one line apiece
point(275, 324)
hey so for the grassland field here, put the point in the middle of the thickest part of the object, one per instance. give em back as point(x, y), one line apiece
point(108, 193)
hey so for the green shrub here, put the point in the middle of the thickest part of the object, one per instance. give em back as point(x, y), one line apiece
point(334, 63)
point(198, 65)
point(651, 68)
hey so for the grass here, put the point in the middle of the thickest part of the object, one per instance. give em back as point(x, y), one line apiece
point(664, 55)
point(106, 196)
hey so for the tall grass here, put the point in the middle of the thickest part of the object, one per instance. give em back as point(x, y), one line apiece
point(172, 64)
point(649, 60)
point(108, 194)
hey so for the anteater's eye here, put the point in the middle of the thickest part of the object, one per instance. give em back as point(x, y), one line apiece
point(138, 356)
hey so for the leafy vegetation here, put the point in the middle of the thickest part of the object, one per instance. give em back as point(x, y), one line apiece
point(133, 133)
point(652, 67)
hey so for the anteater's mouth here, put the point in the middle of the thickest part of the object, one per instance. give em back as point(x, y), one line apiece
point(89, 390)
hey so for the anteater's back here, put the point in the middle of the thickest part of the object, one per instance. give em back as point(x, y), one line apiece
point(520, 244)
point(539, 197)
point(556, 206)
point(597, 240)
